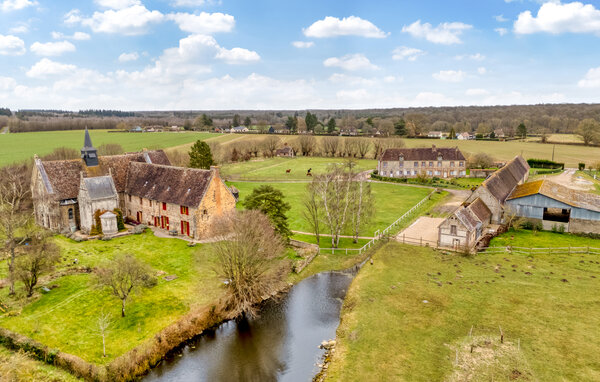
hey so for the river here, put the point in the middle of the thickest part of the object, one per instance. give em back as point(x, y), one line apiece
point(282, 344)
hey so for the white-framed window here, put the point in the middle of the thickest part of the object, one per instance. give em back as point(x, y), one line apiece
point(429, 172)
point(437, 173)
point(451, 164)
point(401, 164)
point(414, 172)
point(463, 173)
point(430, 164)
point(423, 164)
point(439, 164)
point(461, 164)
point(384, 164)
point(452, 172)
point(398, 173)
point(416, 164)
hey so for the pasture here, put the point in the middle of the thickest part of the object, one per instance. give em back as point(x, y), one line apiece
point(391, 201)
point(22, 146)
point(65, 318)
point(442, 315)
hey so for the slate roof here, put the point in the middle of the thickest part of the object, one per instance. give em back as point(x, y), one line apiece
point(286, 150)
point(468, 218)
point(502, 182)
point(176, 185)
point(63, 175)
point(418, 154)
point(575, 198)
point(100, 187)
point(481, 211)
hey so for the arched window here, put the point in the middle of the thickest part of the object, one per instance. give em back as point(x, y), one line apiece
point(70, 214)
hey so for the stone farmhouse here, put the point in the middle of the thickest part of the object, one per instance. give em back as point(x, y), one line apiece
point(143, 186)
point(439, 162)
point(285, 151)
point(485, 209)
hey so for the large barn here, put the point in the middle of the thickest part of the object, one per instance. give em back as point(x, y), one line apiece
point(69, 194)
point(554, 206)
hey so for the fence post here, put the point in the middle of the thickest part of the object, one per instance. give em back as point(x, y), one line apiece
point(569, 249)
point(421, 244)
point(346, 251)
point(403, 238)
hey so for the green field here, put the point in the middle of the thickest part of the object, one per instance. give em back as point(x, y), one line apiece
point(275, 168)
point(22, 146)
point(391, 201)
point(408, 317)
point(542, 239)
point(65, 317)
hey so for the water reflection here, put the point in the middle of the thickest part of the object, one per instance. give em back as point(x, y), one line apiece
point(279, 345)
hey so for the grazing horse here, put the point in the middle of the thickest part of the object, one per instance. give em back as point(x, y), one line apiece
point(308, 172)
point(288, 170)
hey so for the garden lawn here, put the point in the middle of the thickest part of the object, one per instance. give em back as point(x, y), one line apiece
point(404, 316)
point(18, 147)
point(275, 168)
point(391, 202)
point(542, 239)
point(65, 318)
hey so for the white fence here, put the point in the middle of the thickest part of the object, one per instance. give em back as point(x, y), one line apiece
point(378, 235)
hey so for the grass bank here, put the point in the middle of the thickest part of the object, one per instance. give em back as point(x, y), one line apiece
point(407, 316)
point(542, 239)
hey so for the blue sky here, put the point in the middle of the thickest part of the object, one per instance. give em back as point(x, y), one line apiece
point(208, 54)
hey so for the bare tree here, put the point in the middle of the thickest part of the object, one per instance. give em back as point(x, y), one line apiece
point(253, 146)
point(110, 149)
point(61, 153)
point(331, 145)
point(270, 145)
point(308, 144)
point(245, 247)
point(122, 275)
point(480, 160)
point(37, 258)
point(382, 144)
point(312, 211)
point(15, 214)
point(102, 329)
point(362, 207)
point(350, 147)
point(363, 145)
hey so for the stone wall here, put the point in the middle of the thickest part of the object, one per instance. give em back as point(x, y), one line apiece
point(464, 237)
point(584, 226)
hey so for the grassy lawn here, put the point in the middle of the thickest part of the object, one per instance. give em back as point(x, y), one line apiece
point(275, 168)
point(589, 175)
point(65, 317)
point(391, 201)
point(325, 241)
point(542, 239)
point(19, 367)
point(21, 146)
point(389, 333)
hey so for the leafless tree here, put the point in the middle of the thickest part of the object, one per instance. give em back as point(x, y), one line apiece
point(331, 145)
point(15, 212)
point(61, 153)
point(37, 258)
point(102, 329)
point(480, 160)
point(308, 144)
point(110, 149)
point(350, 148)
point(363, 145)
point(312, 211)
point(589, 130)
point(253, 146)
point(245, 247)
point(362, 207)
point(382, 144)
point(270, 145)
point(122, 275)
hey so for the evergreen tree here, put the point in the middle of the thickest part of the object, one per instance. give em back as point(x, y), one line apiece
point(206, 120)
point(311, 121)
point(400, 127)
point(369, 121)
point(200, 156)
point(522, 130)
point(247, 122)
point(270, 201)
point(187, 125)
point(331, 125)
point(236, 120)
point(452, 134)
point(292, 124)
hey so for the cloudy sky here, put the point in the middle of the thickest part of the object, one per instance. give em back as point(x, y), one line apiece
point(274, 54)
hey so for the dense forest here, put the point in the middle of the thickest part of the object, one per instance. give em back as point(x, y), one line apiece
point(539, 119)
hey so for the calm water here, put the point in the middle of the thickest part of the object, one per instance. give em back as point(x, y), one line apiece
point(280, 345)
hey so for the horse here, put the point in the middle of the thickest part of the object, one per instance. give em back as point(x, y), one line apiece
point(308, 172)
point(288, 170)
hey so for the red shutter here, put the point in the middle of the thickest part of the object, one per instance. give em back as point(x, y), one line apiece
point(188, 228)
point(164, 206)
point(182, 230)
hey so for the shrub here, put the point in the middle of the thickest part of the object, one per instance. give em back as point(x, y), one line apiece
point(581, 166)
point(544, 163)
point(120, 221)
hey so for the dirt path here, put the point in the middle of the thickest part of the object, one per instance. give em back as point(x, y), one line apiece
point(568, 179)
point(425, 228)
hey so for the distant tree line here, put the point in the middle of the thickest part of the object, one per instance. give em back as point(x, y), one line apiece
point(106, 113)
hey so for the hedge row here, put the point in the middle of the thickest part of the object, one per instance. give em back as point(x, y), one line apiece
point(544, 163)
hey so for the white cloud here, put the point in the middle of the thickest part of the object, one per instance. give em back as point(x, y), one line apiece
point(348, 26)
point(134, 20)
point(79, 36)
point(445, 33)
point(203, 23)
point(15, 5)
point(450, 75)
point(11, 45)
point(474, 57)
point(392, 79)
point(432, 99)
point(46, 67)
point(19, 29)
point(52, 48)
point(303, 44)
point(345, 79)
point(476, 92)
point(237, 56)
point(404, 52)
point(591, 79)
point(192, 3)
point(124, 57)
point(7, 83)
point(481, 70)
point(117, 4)
point(350, 62)
point(555, 17)
point(501, 31)
point(500, 18)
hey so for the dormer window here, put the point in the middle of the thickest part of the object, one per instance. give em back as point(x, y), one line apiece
point(401, 158)
point(439, 157)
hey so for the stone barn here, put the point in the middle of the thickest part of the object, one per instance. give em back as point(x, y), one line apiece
point(554, 206)
point(465, 226)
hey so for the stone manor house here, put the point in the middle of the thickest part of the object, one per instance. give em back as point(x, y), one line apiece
point(67, 194)
point(441, 162)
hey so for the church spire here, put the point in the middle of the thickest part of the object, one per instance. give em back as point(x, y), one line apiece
point(88, 152)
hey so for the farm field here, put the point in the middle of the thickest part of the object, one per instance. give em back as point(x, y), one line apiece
point(423, 304)
point(65, 317)
point(275, 168)
point(391, 201)
point(22, 146)
point(542, 239)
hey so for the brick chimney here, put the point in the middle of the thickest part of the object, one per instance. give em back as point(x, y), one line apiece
point(215, 171)
point(433, 148)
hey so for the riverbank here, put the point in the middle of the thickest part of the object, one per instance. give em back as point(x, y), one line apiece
point(428, 306)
